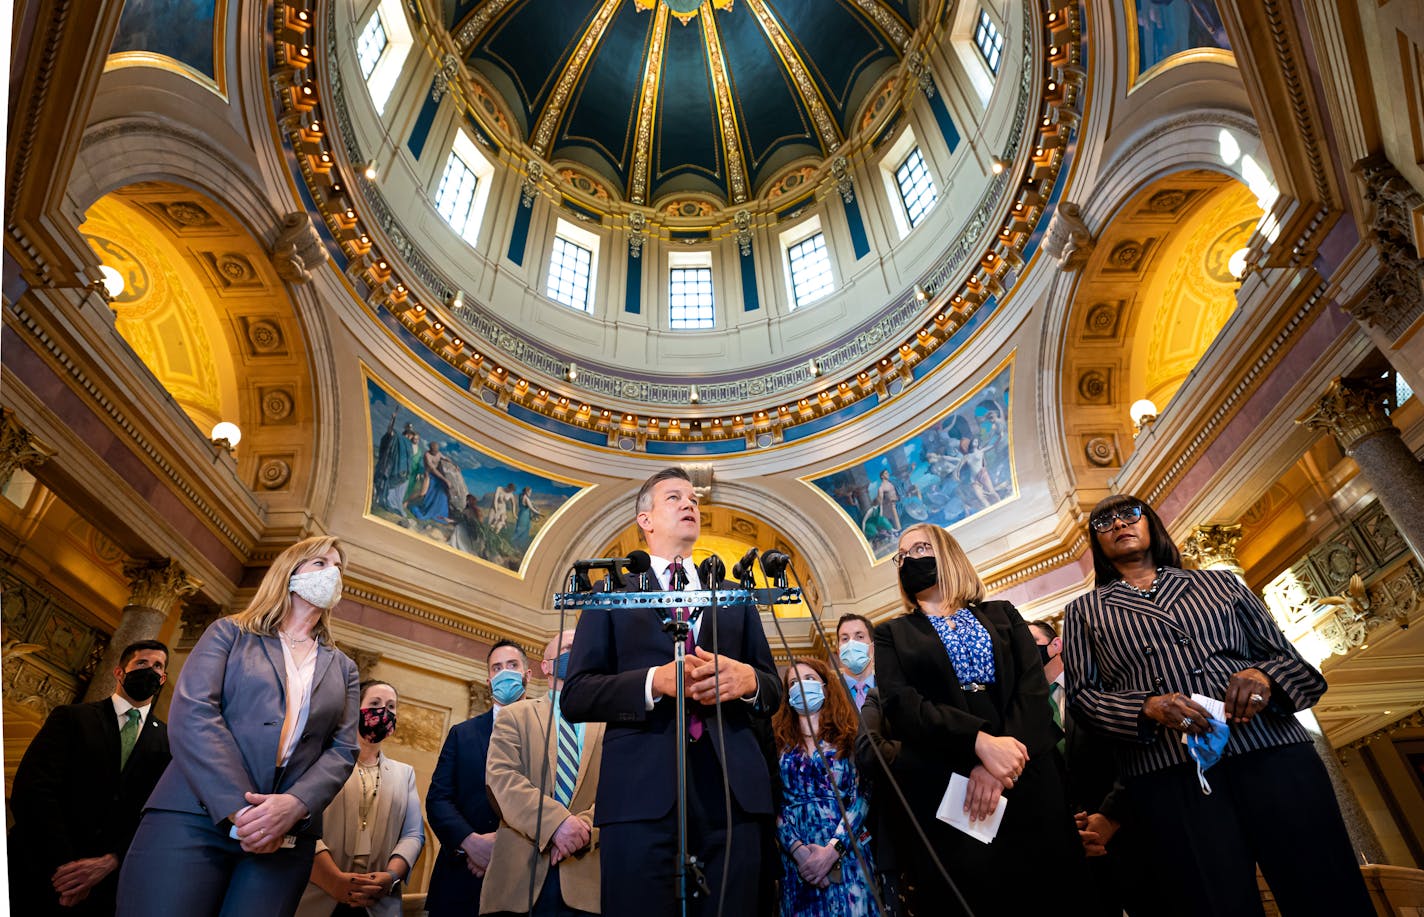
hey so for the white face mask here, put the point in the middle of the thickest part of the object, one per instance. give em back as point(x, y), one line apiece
point(320, 587)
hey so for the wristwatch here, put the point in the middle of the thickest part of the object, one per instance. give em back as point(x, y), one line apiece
point(395, 890)
point(839, 845)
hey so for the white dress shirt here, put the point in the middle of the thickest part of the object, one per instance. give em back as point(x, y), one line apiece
point(299, 689)
point(122, 708)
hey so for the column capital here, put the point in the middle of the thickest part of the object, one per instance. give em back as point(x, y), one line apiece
point(18, 448)
point(158, 583)
point(480, 697)
point(1213, 547)
point(1394, 298)
point(366, 660)
point(1351, 410)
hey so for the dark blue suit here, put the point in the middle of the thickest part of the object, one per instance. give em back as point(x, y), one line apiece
point(458, 805)
point(637, 791)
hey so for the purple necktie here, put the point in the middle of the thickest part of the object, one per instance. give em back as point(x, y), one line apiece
point(694, 719)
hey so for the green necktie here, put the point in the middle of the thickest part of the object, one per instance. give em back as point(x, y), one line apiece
point(128, 736)
point(1053, 690)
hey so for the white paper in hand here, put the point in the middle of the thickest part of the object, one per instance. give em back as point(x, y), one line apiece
point(951, 811)
point(1211, 705)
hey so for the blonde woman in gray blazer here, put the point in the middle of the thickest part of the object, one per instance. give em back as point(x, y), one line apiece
point(263, 735)
point(372, 834)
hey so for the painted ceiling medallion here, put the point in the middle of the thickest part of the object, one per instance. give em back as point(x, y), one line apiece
point(682, 10)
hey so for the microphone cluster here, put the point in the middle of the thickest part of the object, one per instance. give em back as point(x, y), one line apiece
point(711, 570)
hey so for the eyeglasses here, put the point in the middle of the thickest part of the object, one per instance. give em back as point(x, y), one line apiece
point(919, 549)
point(1103, 522)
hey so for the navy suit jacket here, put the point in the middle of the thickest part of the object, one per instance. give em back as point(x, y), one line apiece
point(612, 653)
point(458, 805)
point(70, 800)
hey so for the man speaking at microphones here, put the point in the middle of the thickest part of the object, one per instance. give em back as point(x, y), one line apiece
point(622, 674)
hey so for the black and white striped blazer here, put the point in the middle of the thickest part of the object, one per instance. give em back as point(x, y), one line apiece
point(1202, 627)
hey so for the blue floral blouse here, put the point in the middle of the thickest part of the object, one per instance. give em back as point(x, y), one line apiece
point(971, 652)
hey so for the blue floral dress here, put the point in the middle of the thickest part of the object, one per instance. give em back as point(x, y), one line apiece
point(967, 642)
point(809, 814)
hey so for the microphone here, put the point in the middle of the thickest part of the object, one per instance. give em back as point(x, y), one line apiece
point(774, 564)
point(639, 563)
point(742, 569)
point(711, 571)
point(610, 566)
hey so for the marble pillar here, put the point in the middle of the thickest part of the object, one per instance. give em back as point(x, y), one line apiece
point(154, 587)
point(1353, 411)
point(1362, 834)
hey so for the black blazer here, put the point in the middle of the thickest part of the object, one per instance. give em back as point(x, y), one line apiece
point(607, 681)
point(70, 799)
point(457, 805)
point(930, 712)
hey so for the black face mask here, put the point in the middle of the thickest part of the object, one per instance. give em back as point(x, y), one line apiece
point(918, 574)
point(1043, 656)
point(141, 684)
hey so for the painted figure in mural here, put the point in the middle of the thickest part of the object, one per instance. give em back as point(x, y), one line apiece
point(886, 496)
point(503, 507)
point(444, 486)
point(972, 472)
point(395, 463)
point(525, 519)
point(470, 529)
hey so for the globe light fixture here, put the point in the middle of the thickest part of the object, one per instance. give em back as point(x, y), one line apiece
point(226, 433)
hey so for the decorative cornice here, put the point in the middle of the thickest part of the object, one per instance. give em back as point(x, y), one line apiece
point(404, 608)
point(1413, 720)
point(22, 141)
point(1033, 568)
point(474, 27)
point(1227, 407)
point(145, 447)
point(1295, 85)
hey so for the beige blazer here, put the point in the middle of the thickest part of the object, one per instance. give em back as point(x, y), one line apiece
point(513, 773)
point(396, 829)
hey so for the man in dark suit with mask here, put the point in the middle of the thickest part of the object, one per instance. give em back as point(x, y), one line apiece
point(457, 803)
point(621, 673)
point(80, 788)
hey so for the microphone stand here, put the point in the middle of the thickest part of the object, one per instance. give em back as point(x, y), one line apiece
point(679, 629)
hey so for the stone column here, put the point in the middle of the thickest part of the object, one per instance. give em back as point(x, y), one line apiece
point(1353, 410)
point(1362, 834)
point(18, 448)
point(155, 585)
point(366, 660)
point(1213, 547)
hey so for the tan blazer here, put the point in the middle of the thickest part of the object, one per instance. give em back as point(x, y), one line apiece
point(513, 774)
point(396, 828)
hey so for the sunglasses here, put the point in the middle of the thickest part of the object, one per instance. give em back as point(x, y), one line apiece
point(1103, 522)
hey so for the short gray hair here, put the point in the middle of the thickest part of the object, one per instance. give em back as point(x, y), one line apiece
point(645, 493)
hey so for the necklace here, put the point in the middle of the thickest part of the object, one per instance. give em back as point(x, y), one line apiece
point(293, 642)
point(1151, 589)
point(368, 792)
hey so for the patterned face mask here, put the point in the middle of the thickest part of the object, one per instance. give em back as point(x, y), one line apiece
point(376, 723)
point(320, 587)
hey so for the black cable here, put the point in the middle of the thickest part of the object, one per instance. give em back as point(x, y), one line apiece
point(826, 769)
point(880, 759)
point(715, 578)
point(544, 771)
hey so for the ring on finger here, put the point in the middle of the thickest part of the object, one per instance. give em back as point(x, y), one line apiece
point(1187, 722)
point(1257, 699)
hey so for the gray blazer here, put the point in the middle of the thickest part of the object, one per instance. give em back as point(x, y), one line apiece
point(226, 719)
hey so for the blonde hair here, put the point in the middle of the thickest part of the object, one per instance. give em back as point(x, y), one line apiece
point(958, 583)
point(273, 601)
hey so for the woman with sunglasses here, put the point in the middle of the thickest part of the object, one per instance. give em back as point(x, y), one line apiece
point(1250, 787)
point(962, 685)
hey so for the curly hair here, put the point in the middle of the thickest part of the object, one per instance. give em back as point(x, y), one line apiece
point(839, 722)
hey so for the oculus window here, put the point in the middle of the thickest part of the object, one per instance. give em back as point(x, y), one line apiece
point(808, 264)
point(916, 186)
point(989, 41)
point(571, 267)
point(690, 303)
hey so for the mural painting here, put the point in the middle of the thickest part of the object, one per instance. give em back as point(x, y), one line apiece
point(178, 29)
point(435, 485)
point(959, 465)
point(1167, 27)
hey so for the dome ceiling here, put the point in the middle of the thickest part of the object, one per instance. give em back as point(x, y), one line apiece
point(659, 102)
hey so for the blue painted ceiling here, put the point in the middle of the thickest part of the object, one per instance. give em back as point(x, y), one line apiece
point(527, 48)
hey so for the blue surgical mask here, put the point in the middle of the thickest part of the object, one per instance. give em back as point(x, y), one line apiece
point(806, 696)
point(507, 686)
point(561, 667)
point(855, 656)
point(1207, 749)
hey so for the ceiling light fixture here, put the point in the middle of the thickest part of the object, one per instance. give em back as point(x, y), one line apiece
point(226, 434)
point(113, 281)
point(998, 164)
